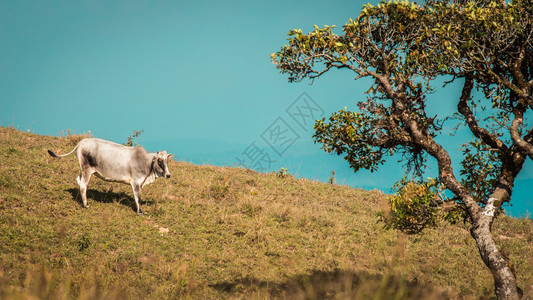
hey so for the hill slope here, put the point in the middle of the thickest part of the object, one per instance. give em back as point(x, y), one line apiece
point(220, 232)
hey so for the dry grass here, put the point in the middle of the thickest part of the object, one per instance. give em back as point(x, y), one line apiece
point(211, 232)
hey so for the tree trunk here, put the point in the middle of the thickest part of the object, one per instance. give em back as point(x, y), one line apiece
point(504, 279)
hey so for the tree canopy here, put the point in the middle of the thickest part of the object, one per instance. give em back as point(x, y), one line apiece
point(487, 46)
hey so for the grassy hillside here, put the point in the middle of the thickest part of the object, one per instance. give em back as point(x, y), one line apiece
point(211, 232)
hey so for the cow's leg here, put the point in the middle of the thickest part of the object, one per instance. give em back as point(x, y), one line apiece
point(137, 195)
point(83, 181)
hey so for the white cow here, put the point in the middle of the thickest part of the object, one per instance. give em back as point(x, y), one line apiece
point(113, 162)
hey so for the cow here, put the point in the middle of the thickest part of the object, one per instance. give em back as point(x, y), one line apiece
point(117, 163)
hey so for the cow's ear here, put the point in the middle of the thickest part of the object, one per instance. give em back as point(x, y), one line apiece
point(170, 156)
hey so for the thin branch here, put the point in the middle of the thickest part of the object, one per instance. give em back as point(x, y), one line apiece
point(470, 119)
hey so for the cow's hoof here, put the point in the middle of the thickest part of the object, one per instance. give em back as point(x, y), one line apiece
point(140, 214)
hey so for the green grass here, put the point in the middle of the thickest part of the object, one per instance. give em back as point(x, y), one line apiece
point(212, 232)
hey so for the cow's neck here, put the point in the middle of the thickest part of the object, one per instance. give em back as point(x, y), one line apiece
point(152, 176)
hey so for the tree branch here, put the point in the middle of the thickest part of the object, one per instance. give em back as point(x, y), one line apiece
point(502, 80)
point(470, 119)
point(523, 144)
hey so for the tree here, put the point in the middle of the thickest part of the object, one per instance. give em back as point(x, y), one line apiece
point(485, 45)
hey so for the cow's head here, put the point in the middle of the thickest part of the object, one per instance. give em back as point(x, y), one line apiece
point(161, 164)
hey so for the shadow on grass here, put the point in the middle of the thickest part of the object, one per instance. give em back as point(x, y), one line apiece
point(332, 285)
point(106, 197)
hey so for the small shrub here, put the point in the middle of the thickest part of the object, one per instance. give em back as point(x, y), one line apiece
point(282, 216)
point(12, 151)
point(413, 207)
point(250, 209)
point(331, 179)
point(131, 142)
point(283, 173)
point(220, 191)
point(251, 182)
point(454, 213)
point(83, 243)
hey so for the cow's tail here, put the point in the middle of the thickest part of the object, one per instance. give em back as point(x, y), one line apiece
point(63, 155)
